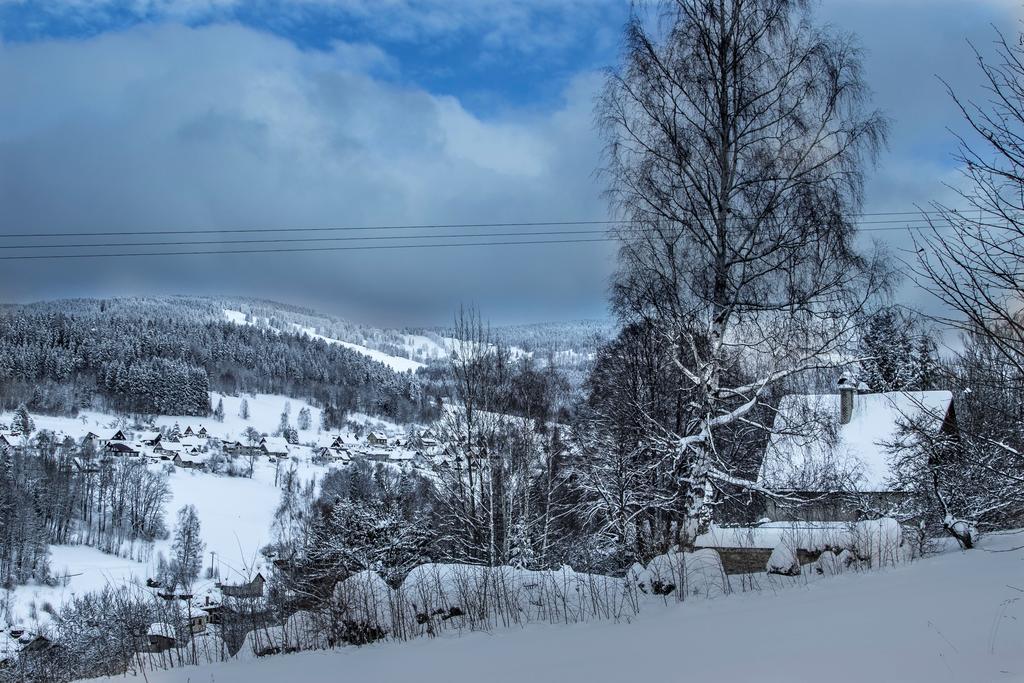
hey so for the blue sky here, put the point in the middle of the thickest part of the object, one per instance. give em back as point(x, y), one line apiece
point(151, 114)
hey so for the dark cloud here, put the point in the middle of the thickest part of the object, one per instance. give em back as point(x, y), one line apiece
point(168, 126)
point(226, 127)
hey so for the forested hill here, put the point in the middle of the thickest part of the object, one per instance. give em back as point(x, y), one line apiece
point(162, 354)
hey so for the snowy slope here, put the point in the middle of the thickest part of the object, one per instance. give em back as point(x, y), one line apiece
point(954, 617)
point(396, 363)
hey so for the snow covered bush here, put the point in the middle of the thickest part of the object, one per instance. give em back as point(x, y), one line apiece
point(363, 606)
point(784, 560)
point(699, 573)
point(878, 540)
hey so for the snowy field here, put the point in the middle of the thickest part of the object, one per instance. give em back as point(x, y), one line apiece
point(235, 512)
point(952, 617)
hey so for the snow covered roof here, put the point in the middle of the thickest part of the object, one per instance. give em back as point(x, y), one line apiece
point(149, 436)
point(161, 629)
point(275, 444)
point(809, 446)
point(806, 535)
point(401, 455)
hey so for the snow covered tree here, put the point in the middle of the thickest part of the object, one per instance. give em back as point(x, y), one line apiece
point(736, 138)
point(218, 412)
point(305, 419)
point(358, 535)
point(187, 549)
point(22, 421)
point(898, 353)
point(243, 409)
point(284, 425)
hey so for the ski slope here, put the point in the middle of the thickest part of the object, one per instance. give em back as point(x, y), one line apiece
point(396, 363)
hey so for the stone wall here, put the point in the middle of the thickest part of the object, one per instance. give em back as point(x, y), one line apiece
point(755, 560)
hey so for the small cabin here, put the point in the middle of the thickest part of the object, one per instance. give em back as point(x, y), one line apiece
point(252, 589)
point(161, 637)
point(375, 439)
point(150, 438)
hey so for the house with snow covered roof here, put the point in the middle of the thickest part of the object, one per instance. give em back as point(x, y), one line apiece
point(376, 439)
point(117, 435)
point(124, 448)
point(276, 446)
point(150, 438)
point(160, 637)
point(190, 459)
point(835, 450)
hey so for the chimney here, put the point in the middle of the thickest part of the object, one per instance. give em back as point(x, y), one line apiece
point(847, 388)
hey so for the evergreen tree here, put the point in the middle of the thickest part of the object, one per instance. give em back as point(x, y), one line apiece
point(243, 410)
point(218, 412)
point(23, 421)
point(304, 418)
point(887, 349)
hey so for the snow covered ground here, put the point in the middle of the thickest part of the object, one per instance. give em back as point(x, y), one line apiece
point(952, 617)
point(235, 514)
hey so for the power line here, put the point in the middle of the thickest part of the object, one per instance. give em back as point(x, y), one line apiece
point(424, 226)
point(293, 240)
point(368, 247)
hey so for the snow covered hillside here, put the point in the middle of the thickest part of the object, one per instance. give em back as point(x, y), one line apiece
point(235, 512)
point(396, 363)
point(958, 616)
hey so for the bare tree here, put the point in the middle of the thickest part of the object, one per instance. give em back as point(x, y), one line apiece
point(972, 258)
point(736, 141)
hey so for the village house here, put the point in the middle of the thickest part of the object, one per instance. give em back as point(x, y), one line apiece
point(822, 444)
point(7, 440)
point(151, 439)
point(251, 589)
point(85, 465)
point(190, 459)
point(335, 454)
point(166, 450)
point(118, 435)
point(160, 637)
point(197, 622)
point(401, 457)
point(275, 446)
point(123, 448)
point(376, 439)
